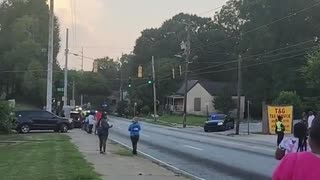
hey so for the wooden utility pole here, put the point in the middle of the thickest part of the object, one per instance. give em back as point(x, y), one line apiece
point(239, 95)
point(65, 93)
point(187, 53)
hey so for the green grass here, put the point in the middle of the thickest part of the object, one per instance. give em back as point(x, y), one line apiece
point(171, 120)
point(41, 156)
point(123, 152)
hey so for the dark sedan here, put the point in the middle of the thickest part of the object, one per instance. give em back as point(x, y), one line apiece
point(218, 122)
point(41, 120)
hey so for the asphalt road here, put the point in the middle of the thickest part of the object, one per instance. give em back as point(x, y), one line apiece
point(207, 157)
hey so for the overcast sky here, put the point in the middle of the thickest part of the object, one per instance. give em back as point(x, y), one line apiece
point(110, 27)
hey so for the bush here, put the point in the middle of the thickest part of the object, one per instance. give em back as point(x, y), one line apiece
point(146, 109)
point(290, 98)
point(6, 119)
point(223, 102)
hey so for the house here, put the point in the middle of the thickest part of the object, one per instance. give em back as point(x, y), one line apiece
point(200, 96)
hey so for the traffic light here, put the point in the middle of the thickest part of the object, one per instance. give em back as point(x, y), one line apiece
point(130, 82)
point(150, 80)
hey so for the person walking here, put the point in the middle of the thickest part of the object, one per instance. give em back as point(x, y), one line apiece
point(279, 130)
point(92, 122)
point(298, 143)
point(311, 117)
point(302, 165)
point(134, 129)
point(103, 132)
point(98, 117)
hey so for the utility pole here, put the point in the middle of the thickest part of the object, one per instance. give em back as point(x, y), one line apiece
point(187, 53)
point(248, 116)
point(154, 91)
point(81, 96)
point(65, 100)
point(239, 95)
point(50, 58)
point(121, 83)
point(82, 59)
point(73, 89)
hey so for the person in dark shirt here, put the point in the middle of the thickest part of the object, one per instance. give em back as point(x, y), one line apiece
point(103, 132)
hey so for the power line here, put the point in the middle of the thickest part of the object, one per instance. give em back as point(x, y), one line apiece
point(252, 56)
point(272, 22)
point(257, 64)
point(210, 11)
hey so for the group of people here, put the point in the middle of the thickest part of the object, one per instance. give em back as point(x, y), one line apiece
point(299, 155)
point(100, 123)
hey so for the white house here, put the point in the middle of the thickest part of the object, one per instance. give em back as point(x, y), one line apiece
point(200, 97)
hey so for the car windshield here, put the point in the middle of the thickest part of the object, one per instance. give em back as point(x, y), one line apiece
point(217, 117)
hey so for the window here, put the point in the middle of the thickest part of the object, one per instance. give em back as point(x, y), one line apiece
point(45, 114)
point(197, 104)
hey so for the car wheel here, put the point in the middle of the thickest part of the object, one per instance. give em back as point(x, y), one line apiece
point(25, 128)
point(63, 128)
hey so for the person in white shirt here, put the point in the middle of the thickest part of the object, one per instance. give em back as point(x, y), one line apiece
point(311, 117)
point(92, 122)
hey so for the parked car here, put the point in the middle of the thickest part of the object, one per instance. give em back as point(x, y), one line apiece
point(218, 122)
point(41, 120)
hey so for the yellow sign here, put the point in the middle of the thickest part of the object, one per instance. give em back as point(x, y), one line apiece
point(285, 112)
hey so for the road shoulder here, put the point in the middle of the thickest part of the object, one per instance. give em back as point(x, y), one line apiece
point(118, 163)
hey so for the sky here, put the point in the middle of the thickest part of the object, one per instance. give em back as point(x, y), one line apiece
point(111, 27)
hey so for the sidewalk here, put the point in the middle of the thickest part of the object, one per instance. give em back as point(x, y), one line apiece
point(118, 163)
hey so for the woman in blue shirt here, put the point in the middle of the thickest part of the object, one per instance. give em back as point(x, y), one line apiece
point(134, 129)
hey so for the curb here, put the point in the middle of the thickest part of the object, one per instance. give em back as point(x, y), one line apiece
point(161, 163)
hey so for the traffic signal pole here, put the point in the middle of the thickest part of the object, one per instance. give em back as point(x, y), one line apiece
point(154, 91)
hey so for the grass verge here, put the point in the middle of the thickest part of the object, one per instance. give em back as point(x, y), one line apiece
point(41, 156)
point(121, 151)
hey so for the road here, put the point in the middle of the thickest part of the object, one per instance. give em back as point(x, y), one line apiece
point(206, 157)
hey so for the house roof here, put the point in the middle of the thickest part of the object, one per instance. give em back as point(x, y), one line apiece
point(212, 87)
point(191, 84)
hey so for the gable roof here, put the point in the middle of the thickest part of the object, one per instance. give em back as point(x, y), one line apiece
point(212, 87)
point(191, 84)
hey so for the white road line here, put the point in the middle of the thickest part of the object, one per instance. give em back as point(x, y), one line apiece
point(191, 147)
point(161, 162)
point(119, 127)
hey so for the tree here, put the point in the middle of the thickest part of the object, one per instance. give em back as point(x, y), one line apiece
point(23, 45)
point(290, 98)
point(310, 70)
point(6, 120)
point(224, 102)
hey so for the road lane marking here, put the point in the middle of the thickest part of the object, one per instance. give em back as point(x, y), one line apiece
point(191, 147)
point(160, 161)
point(119, 127)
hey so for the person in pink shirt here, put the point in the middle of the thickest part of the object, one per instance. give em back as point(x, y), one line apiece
point(302, 165)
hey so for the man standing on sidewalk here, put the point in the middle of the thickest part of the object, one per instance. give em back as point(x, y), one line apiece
point(92, 122)
point(311, 117)
point(279, 130)
point(134, 129)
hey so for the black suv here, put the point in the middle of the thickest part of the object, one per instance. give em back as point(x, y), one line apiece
point(41, 120)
